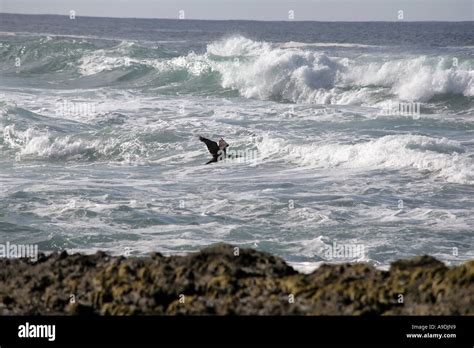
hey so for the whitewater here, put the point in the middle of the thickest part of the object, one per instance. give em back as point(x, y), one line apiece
point(356, 134)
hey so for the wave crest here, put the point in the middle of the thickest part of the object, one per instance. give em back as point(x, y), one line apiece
point(308, 76)
point(442, 158)
point(35, 143)
point(293, 72)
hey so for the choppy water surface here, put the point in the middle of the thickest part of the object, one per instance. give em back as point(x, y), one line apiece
point(99, 121)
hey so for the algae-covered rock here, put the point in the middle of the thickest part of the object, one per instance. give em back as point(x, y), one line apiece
point(226, 280)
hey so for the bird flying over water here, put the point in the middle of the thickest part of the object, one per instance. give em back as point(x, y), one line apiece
point(218, 151)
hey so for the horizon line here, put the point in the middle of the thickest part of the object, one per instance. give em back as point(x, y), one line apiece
point(247, 20)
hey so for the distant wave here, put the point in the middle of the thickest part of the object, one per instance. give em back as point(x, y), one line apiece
point(85, 37)
point(259, 70)
point(296, 75)
point(265, 71)
point(293, 44)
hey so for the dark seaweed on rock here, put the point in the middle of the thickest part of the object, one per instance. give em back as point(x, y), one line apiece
point(215, 281)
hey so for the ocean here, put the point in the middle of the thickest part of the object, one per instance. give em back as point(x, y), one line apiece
point(355, 140)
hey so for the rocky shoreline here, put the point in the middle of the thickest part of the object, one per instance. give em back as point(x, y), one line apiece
point(225, 280)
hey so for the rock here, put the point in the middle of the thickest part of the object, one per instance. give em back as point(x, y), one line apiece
point(424, 261)
point(225, 280)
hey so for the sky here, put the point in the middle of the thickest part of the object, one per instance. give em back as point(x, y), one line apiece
point(317, 10)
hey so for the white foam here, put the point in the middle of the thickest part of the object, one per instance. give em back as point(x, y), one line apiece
point(98, 61)
point(238, 46)
point(415, 79)
point(41, 144)
point(192, 63)
point(291, 72)
point(299, 75)
point(442, 158)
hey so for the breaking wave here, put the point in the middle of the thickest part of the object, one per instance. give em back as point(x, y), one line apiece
point(264, 71)
point(34, 143)
point(440, 157)
point(290, 72)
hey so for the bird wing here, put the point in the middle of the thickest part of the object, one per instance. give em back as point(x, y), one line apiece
point(211, 146)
